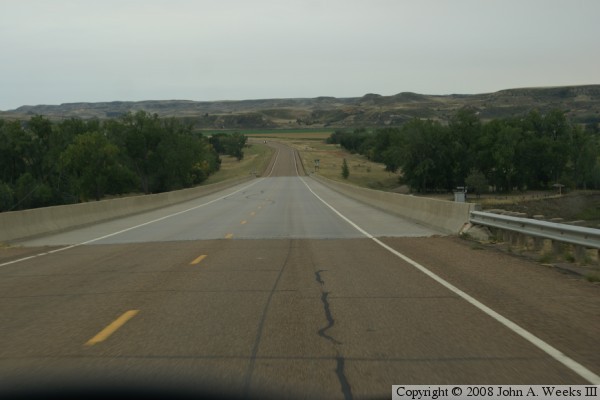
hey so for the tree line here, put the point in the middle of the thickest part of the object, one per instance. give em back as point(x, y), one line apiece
point(44, 163)
point(535, 151)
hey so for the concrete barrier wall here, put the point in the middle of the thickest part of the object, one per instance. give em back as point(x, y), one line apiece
point(22, 224)
point(445, 216)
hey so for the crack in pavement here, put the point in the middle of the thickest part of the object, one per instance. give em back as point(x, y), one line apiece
point(318, 276)
point(330, 320)
point(327, 309)
point(339, 371)
point(340, 360)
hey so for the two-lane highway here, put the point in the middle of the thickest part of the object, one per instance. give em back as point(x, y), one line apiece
point(281, 286)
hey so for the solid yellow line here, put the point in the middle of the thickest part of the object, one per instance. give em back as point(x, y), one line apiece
point(229, 236)
point(198, 259)
point(110, 329)
point(243, 222)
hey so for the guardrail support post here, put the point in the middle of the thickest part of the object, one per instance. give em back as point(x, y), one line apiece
point(506, 236)
point(579, 253)
point(514, 238)
point(521, 240)
point(538, 244)
point(556, 247)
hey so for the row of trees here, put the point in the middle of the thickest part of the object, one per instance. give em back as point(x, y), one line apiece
point(231, 144)
point(44, 163)
point(531, 152)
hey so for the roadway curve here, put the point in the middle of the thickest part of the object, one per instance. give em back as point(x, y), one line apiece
point(281, 286)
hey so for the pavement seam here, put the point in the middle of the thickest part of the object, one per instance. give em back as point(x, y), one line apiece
point(252, 363)
point(276, 358)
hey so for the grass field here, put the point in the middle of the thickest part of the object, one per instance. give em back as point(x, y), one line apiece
point(362, 171)
point(311, 145)
point(321, 132)
point(313, 136)
point(256, 158)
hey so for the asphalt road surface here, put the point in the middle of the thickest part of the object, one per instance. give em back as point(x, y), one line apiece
point(281, 287)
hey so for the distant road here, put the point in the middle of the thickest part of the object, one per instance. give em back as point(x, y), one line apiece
point(281, 286)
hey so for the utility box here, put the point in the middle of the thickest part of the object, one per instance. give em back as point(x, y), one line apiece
point(460, 194)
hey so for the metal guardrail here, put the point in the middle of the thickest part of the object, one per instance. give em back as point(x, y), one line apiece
point(577, 235)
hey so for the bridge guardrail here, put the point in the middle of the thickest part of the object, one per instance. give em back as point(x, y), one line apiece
point(575, 235)
point(16, 225)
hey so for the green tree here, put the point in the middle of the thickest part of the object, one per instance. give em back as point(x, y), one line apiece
point(345, 169)
point(387, 147)
point(44, 163)
point(353, 141)
point(41, 130)
point(218, 143)
point(6, 197)
point(140, 135)
point(477, 182)
point(426, 162)
point(31, 193)
point(583, 155)
point(335, 137)
point(186, 158)
point(235, 144)
point(546, 141)
point(92, 162)
point(594, 179)
point(499, 157)
point(464, 133)
point(16, 151)
point(230, 144)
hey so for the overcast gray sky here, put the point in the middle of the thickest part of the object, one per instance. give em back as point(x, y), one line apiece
point(61, 51)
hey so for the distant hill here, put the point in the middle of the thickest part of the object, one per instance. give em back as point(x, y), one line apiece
point(582, 103)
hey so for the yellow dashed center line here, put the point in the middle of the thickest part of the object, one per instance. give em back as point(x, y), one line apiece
point(243, 222)
point(229, 236)
point(252, 214)
point(110, 329)
point(198, 259)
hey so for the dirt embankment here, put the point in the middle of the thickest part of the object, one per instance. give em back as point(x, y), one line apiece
point(580, 207)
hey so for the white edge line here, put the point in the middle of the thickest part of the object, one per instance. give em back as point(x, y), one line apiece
point(127, 229)
point(294, 152)
point(539, 343)
point(134, 227)
point(274, 162)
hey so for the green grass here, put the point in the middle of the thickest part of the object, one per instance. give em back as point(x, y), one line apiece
point(591, 213)
point(362, 171)
point(592, 277)
point(256, 158)
point(267, 131)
